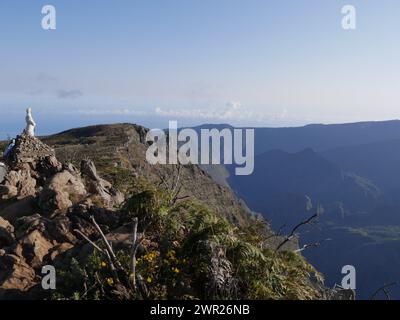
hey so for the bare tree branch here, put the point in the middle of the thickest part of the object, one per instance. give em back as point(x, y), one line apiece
point(176, 179)
point(133, 252)
point(88, 240)
point(384, 289)
point(162, 178)
point(312, 245)
point(107, 244)
point(292, 234)
point(172, 183)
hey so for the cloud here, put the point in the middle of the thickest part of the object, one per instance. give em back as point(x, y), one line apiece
point(235, 105)
point(229, 112)
point(232, 111)
point(113, 112)
point(69, 94)
point(35, 92)
point(45, 78)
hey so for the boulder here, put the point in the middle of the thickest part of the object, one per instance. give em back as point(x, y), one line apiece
point(21, 208)
point(6, 233)
point(121, 238)
point(59, 250)
point(35, 247)
point(18, 184)
point(54, 230)
point(16, 276)
point(99, 186)
point(63, 190)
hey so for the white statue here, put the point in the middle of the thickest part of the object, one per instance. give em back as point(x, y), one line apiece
point(30, 123)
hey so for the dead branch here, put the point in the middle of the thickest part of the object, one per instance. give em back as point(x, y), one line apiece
point(175, 180)
point(90, 241)
point(144, 291)
point(384, 289)
point(112, 259)
point(292, 234)
point(162, 178)
point(387, 293)
point(135, 245)
point(104, 252)
point(106, 243)
point(312, 245)
point(172, 184)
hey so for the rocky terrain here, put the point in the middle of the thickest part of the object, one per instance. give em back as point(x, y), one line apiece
point(42, 202)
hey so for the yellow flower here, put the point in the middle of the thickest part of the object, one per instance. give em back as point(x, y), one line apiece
point(176, 270)
point(103, 264)
point(110, 281)
point(149, 279)
point(149, 257)
point(171, 254)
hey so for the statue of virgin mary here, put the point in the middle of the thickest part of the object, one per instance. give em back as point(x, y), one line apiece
point(30, 123)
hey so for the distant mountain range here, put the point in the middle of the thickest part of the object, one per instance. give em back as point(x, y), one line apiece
point(307, 179)
point(377, 161)
point(350, 174)
point(321, 137)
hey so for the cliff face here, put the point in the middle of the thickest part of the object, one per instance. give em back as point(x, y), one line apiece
point(119, 150)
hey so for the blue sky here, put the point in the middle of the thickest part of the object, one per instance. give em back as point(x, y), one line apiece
point(253, 62)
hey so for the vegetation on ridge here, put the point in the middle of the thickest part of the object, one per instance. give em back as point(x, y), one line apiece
point(189, 252)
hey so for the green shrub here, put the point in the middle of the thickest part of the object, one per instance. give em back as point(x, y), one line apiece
point(189, 252)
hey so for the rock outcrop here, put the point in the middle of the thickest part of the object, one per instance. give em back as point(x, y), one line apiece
point(98, 185)
point(42, 202)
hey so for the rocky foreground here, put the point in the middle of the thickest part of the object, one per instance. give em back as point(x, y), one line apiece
point(42, 202)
